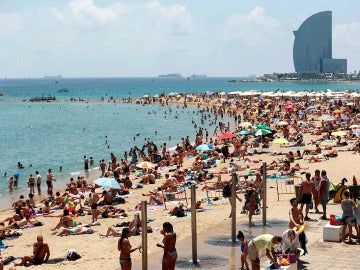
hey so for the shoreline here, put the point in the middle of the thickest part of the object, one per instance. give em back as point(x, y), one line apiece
point(214, 219)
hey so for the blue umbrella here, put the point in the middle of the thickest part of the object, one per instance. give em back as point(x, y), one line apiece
point(107, 182)
point(204, 147)
point(310, 107)
point(243, 132)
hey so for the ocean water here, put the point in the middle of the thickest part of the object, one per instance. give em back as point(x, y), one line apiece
point(50, 135)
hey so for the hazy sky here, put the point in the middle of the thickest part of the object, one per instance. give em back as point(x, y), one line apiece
point(93, 38)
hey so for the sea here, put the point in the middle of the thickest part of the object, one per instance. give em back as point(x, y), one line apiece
point(43, 135)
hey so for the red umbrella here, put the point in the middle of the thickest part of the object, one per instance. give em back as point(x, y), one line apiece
point(289, 107)
point(225, 135)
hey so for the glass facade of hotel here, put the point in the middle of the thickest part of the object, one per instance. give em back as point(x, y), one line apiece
point(312, 52)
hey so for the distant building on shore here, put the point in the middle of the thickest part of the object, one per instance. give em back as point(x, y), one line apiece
point(312, 52)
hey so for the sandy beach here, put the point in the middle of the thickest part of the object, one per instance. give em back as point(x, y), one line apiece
point(101, 253)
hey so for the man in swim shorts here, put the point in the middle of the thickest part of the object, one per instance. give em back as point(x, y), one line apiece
point(41, 253)
point(307, 188)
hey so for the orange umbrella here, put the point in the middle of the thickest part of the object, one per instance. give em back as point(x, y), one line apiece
point(337, 111)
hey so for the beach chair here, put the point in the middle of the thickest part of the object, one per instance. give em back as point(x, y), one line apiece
point(287, 185)
point(213, 190)
point(175, 193)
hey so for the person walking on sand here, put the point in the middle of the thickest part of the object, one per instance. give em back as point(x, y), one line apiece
point(323, 193)
point(125, 249)
point(41, 253)
point(38, 182)
point(168, 244)
point(93, 202)
point(306, 190)
point(348, 206)
point(49, 179)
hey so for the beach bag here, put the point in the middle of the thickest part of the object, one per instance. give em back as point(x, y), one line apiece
point(334, 221)
point(72, 255)
point(226, 191)
point(289, 257)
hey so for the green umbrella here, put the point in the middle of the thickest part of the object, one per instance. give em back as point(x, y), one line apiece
point(261, 132)
point(263, 126)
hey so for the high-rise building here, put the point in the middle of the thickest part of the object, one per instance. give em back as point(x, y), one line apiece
point(312, 51)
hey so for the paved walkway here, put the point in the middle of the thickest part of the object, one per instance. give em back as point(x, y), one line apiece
point(216, 251)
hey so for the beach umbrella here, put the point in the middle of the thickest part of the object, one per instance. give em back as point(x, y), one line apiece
point(354, 126)
point(357, 132)
point(302, 123)
point(243, 132)
point(282, 123)
point(280, 141)
point(325, 116)
point(289, 107)
point(107, 182)
point(329, 119)
point(245, 124)
point(337, 111)
point(338, 133)
point(261, 132)
point(145, 165)
point(263, 126)
point(328, 142)
point(311, 108)
point(204, 147)
point(225, 136)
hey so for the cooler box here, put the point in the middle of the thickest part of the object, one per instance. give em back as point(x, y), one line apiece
point(332, 233)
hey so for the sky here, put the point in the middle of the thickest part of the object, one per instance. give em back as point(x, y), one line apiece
point(230, 38)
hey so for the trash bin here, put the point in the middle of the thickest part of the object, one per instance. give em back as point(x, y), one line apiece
point(297, 195)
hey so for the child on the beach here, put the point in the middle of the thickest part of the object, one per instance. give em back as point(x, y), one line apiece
point(244, 251)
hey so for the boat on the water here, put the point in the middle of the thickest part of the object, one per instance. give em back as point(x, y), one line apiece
point(63, 90)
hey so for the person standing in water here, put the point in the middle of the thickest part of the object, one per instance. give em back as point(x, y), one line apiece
point(38, 182)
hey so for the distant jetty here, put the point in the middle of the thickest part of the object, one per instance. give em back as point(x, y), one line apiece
point(43, 99)
point(53, 77)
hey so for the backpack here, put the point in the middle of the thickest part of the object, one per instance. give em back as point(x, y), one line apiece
point(72, 255)
point(180, 212)
point(226, 191)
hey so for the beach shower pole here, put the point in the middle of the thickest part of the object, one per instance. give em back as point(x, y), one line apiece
point(193, 225)
point(264, 192)
point(233, 207)
point(144, 235)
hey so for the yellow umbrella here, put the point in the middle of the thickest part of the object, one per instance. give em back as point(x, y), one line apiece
point(328, 142)
point(282, 123)
point(338, 133)
point(280, 141)
point(245, 124)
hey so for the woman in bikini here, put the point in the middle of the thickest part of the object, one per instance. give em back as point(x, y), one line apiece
point(168, 244)
point(125, 249)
